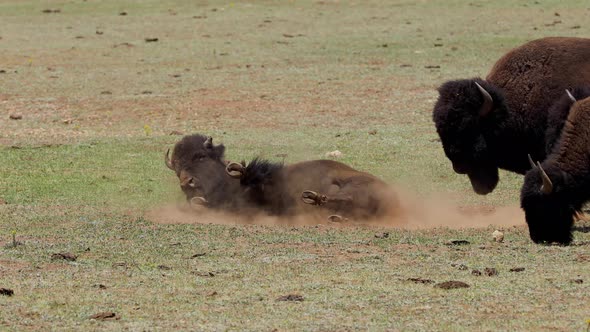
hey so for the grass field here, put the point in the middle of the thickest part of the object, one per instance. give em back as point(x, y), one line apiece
point(83, 168)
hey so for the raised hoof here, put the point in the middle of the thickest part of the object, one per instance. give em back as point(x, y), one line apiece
point(336, 218)
point(313, 198)
point(581, 216)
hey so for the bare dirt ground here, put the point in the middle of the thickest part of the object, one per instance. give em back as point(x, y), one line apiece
point(93, 231)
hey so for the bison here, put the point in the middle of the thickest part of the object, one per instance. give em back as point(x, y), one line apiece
point(495, 123)
point(325, 186)
point(555, 190)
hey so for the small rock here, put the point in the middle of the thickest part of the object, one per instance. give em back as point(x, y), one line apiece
point(67, 121)
point(578, 281)
point(334, 154)
point(383, 235)
point(373, 132)
point(291, 298)
point(476, 272)
point(123, 14)
point(15, 116)
point(498, 236)
point(151, 40)
point(6, 292)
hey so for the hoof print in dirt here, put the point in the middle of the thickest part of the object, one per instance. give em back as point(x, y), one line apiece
point(452, 285)
point(290, 298)
point(6, 292)
point(516, 269)
point(15, 116)
point(421, 281)
point(490, 271)
point(476, 272)
point(151, 40)
point(66, 256)
point(105, 316)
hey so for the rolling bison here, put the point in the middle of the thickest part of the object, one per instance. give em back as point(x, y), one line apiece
point(324, 186)
point(495, 123)
point(555, 190)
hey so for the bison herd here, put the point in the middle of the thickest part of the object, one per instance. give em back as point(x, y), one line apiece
point(531, 115)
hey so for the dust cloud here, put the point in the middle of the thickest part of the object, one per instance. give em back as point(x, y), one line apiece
point(411, 212)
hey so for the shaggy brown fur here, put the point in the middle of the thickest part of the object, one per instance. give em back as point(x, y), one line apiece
point(524, 83)
point(550, 214)
point(274, 188)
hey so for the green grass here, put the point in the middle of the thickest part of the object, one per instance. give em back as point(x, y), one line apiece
point(84, 167)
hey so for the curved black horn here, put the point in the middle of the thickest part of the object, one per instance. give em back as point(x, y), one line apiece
point(488, 102)
point(547, 186)
point(533, 166)
point(234, 170)
point(208, 144)
point(168, 161)
point(569, 94)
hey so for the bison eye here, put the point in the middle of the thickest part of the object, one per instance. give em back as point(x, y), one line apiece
point(199, 157)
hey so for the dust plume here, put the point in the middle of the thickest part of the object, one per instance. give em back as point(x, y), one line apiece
point(411, 212)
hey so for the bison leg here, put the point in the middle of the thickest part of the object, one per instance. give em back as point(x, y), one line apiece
point(581, 216)
point(314, 198)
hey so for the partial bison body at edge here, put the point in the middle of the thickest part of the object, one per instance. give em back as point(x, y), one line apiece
point(495, 123)
point(323, 186)
point(556, 189)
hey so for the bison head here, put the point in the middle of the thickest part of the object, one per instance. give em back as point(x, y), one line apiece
point(549, 204)
point(200, 167)
point(465, 116)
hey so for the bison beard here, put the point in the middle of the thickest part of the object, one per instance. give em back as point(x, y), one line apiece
point(555, 190)
point(522, 86)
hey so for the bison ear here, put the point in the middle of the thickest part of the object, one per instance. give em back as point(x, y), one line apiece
point(488, 102)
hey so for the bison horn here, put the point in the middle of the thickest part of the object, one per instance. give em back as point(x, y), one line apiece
point(208, 144)
point(533, 166)
point(547, 186)
point(488, 102)
point(168, 161)
point(569, 94)
point(235, 170)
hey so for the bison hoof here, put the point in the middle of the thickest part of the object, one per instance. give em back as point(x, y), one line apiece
point(336, 218)
point(313, 198)
point(198, 203)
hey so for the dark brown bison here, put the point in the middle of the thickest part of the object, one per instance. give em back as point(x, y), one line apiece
point(495, 123)
point(555, 190)
point(325, 186)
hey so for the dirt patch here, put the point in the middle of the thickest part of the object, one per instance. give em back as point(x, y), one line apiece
point(413, 213)
point(6, 292)
point(105, 316)
point(420, 281)
point(291, 298)
point(66, 256)
point(452, 285)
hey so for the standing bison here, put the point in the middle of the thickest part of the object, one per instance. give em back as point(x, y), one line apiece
point(325, 186)
point(495, 123)
point(555, 190)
